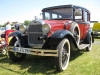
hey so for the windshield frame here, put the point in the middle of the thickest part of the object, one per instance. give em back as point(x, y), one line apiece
point(53, 11)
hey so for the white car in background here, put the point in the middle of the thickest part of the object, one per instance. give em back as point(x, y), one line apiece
point(2, 30)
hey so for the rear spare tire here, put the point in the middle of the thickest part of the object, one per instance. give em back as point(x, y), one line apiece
point(74, 29)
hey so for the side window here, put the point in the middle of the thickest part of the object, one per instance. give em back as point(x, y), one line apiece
point(88, 17)
point(54, 15)
point(78, 14)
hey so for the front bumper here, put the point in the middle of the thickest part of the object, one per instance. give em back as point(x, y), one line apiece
point(38, 52)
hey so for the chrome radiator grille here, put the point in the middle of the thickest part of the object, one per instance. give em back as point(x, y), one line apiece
point(35, 31)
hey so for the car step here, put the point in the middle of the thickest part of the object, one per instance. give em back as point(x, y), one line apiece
point(83, 46)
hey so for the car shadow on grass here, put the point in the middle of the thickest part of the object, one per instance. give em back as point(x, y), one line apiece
point(41, 65)
point(75, 54)
point(37, 64)
point(46, 65)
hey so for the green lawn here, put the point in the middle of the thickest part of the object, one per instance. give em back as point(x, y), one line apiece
point(81, 63)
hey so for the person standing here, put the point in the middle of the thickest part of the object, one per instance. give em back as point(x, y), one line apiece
point(17, 26)
point(7, 31)
point(8, 26)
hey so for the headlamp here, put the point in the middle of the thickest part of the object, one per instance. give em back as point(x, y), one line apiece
point(22, 28)
point(46, 28)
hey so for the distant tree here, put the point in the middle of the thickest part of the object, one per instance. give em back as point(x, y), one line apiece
point(26, 22)
point(47, 18)
point(4, 25)
point(21, 23)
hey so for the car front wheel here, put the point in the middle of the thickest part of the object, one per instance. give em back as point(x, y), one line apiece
point(63, 55)
point(14, 56)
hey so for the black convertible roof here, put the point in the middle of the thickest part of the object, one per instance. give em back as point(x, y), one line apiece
point(64, 6)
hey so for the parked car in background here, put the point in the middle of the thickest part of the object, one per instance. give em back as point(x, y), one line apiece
point(2, 30)
point(63, 29)
point(4, 41)
point(96, 29)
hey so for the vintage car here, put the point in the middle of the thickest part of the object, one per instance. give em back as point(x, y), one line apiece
point(4, 41)
point(63, 29)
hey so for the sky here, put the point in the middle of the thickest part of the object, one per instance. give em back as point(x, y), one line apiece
point(20, 10)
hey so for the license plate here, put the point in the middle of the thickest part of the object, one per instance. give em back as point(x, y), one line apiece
point(22, 50)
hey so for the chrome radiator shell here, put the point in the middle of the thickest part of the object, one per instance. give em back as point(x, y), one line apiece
point(34, 32)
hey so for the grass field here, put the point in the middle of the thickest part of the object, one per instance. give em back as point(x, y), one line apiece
point(81, 63)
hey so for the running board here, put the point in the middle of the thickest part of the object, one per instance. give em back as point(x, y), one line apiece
point(83, 46)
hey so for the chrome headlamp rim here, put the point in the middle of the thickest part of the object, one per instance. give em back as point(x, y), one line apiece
point(22, 28)
point(46, 28)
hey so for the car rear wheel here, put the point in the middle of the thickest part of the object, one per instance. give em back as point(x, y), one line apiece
point(63, 55)
point(89, 48)
point(14, 56)
point(75, 31)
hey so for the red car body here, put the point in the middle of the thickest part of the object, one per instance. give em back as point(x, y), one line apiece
point(59, 25)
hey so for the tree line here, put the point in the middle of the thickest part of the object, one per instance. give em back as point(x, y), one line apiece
point(26, 22)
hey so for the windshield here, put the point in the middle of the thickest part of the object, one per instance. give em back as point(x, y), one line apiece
point(61, 13)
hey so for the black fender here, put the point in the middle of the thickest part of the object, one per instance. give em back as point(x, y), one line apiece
point(88, 37)
point(19, 37)
point(15, 34)
point(61, 34)
point(57, 36)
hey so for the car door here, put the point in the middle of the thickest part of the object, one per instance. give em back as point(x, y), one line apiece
point(86, 23)
point(78, 13)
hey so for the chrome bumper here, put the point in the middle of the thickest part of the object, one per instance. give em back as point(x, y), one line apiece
point(38, 52)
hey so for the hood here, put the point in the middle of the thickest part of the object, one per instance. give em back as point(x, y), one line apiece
point(57, 25)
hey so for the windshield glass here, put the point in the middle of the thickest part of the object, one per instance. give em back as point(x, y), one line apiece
point(61, 13)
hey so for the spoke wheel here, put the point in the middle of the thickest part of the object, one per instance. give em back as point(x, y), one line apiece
point(14, 56)
point(89, 48)
point(76, 35)
point(17, 44)
point(4, 51)
point(63, 55)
